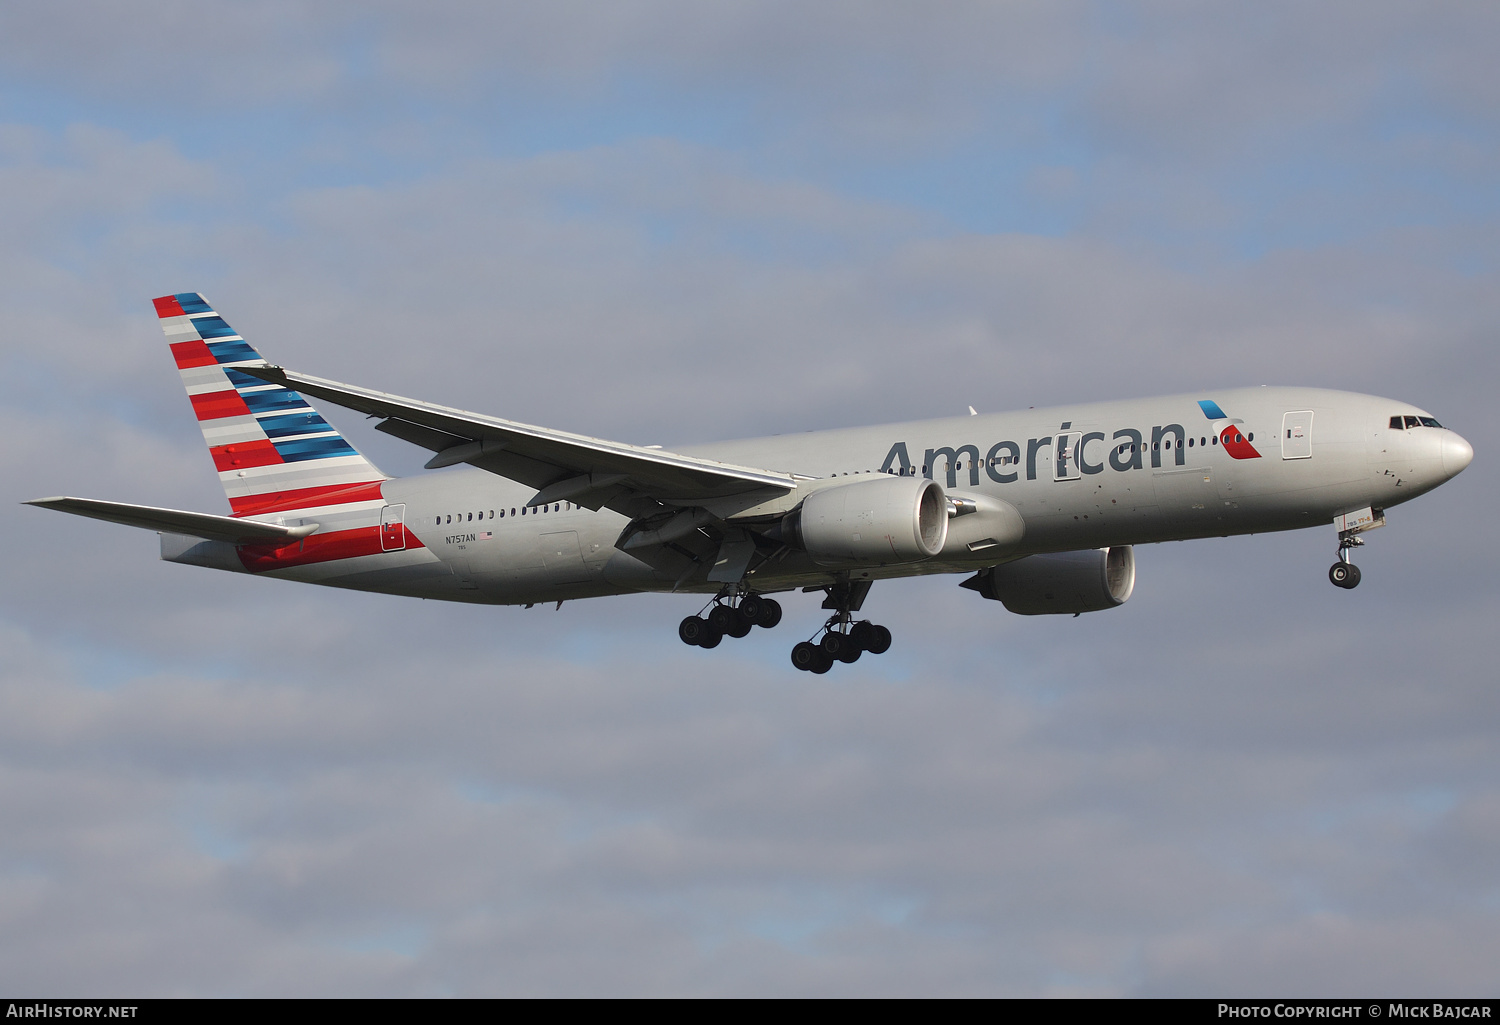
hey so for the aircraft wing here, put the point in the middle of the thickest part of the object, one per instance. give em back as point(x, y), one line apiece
point(588, 471)
point(176, 521)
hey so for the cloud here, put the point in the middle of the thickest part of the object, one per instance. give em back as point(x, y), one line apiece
point(476, 815)
point(185, 50)
point(1199, 80)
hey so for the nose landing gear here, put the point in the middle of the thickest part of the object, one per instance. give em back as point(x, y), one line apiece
point(1344, 573)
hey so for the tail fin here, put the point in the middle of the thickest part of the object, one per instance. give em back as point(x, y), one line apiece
point(273, 451)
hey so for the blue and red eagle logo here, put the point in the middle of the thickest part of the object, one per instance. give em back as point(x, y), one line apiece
point(1231, 437)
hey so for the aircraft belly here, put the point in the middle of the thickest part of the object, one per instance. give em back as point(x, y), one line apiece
point(414, 571)
point(1187, 498)
point(655, 568)
point(193, 551)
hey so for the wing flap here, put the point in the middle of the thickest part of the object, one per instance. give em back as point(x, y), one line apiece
point(177, 521)
point(537, 456)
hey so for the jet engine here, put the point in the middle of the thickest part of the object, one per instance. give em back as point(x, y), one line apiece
point(1066, 582)
point(878, 522)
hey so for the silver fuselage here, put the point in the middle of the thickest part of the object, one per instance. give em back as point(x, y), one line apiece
point(1133, 472)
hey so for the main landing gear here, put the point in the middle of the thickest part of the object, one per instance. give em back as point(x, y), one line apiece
point(726, 617)
point(843, 640)
point(1344, 573)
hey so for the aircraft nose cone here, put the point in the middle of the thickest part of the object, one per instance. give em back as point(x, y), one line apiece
point(1457, 453)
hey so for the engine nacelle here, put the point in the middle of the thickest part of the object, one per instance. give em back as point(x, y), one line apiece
point(882, 521)
point(1064, 583)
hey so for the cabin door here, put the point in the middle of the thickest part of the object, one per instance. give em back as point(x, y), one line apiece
point(392, 528)
point(1065, 456)
point(1296, 434)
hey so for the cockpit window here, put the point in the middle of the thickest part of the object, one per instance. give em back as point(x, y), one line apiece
point(1428, 421)
point(1412, 421)
point(1396, 424)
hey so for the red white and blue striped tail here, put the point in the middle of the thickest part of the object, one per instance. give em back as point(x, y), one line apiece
point(274, 453)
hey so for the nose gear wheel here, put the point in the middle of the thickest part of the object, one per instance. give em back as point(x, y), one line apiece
point(1344, 573)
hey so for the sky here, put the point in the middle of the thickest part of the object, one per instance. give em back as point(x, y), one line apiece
point(670, 222)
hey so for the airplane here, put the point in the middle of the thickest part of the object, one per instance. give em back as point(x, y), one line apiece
point(1042, 508)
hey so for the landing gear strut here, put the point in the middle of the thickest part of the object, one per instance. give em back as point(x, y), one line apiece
point(729, 615)
point(842, 640)
point(1344, 573)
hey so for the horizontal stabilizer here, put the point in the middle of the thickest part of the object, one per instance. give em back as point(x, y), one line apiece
point(176, 521)
point(554, 462)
